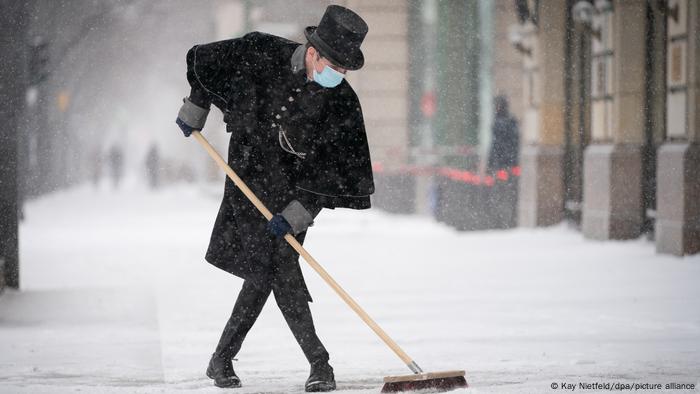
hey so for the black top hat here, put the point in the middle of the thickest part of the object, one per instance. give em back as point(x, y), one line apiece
point(338, 37)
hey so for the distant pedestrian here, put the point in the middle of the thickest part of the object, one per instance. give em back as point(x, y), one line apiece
point(503, 196)
point(96, 171)
point(505, 140)
point(116, 164)
point(153, 167)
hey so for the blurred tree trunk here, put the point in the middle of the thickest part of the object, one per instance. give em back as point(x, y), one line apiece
point(12, 96)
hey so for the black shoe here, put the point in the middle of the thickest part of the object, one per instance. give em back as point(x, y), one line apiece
point(321, 378)
point(221, 370)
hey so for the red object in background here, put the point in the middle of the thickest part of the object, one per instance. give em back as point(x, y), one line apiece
point(428, 104)
point(502, 175)
point(515, 171)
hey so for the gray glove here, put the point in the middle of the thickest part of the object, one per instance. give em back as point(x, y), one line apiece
point(298, 217)
point(191, 117)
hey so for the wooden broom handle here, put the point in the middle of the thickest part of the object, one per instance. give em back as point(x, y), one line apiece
point(300, 249)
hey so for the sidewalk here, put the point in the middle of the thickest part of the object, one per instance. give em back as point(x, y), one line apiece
point(116, 297)
point(55, 340)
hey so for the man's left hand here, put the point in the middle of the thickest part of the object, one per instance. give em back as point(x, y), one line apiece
point(191, 117)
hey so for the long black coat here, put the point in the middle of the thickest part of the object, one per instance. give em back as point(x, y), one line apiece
point(263, 100)
point(505, 142)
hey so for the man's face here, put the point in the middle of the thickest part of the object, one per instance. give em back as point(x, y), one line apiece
point(319, 62)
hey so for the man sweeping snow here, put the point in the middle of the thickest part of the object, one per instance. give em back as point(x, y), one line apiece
point(298, 140)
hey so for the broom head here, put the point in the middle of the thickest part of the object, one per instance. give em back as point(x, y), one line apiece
point(437, 381)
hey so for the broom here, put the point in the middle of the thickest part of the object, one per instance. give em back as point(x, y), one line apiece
point(443, 381)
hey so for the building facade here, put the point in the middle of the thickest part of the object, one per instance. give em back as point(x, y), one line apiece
point(631, 103)
point(605, 93)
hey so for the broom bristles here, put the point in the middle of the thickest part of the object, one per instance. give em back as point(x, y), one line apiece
point(438, 384)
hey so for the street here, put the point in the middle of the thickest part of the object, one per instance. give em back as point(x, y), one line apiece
point(116, 297)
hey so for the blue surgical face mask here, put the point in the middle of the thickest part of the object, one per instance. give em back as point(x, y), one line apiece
point(328, 78)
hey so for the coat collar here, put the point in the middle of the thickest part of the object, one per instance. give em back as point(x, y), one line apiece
point(298, 63)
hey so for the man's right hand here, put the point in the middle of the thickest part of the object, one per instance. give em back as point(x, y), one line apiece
point(191, 117)
point(279, 226)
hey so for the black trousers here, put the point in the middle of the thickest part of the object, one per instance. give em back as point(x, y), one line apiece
point(291, 295)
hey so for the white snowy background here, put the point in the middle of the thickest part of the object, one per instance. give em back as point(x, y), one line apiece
point(116, 297)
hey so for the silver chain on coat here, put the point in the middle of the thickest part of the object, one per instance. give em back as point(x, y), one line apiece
point(282, 136)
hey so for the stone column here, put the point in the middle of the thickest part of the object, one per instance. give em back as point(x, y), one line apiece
point(382, 84)
point(541, 196)
point(678, 170)
point(612, 188)
point(382, 87)
point(506, 77)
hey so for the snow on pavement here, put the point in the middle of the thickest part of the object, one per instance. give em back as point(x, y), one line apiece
point(116, 297)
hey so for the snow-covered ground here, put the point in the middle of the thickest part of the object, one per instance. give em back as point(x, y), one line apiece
point(118, 298)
